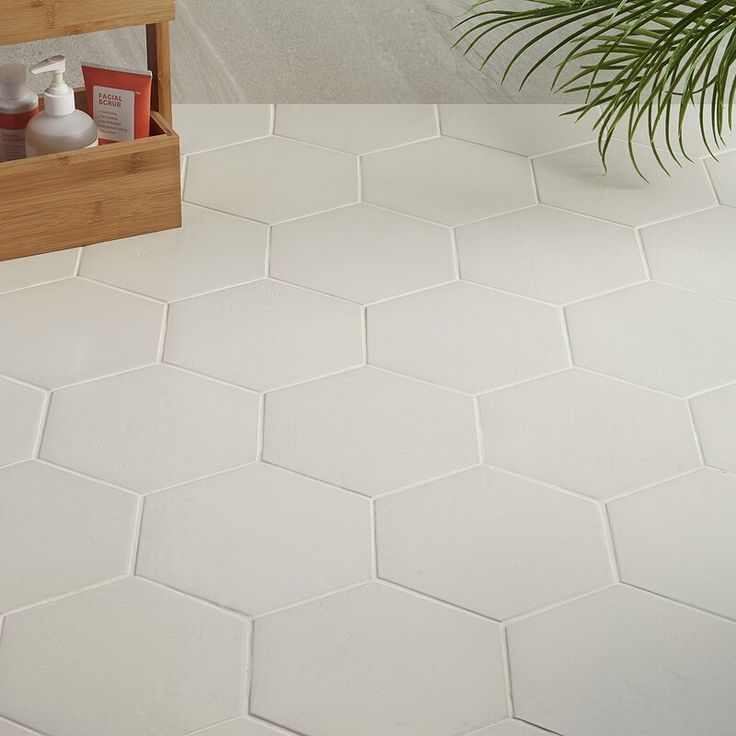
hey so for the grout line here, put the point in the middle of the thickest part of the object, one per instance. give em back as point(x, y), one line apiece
point(709, 177)
point(267, 251)
point(84, 476)
point(26, 729)
point(42, 420)
point(162, 334)
point(25, 384)
point(207, 377)
point(642, 252)
point(558, 604)
point(425, 381)
point(359, 167)
point(183, 173)
point(693, 290)
point(374, 539)
point(420, 290)
point(648, 223)
point(678, 602)
point(610, 542)
point(566, 336)
point(121, 289)
point(225, 146)
point(310, 290)
point(261, 429)
point(69, 594)
point(272, 119)
point(434, 599)
point(544, 483)
point(540, 377)
point(535, 182)
point(272, 725)
point(696, 436)
point(479, 434)
point(78, 262)
point(438, 119)
point(209, 208)
point(239, 615)
point(209, 726)
point(627, 382)
point(506, 663)
point(315, 479)
point(607, 292)
point(455, 254)
point(198, 479)
point(136, 541)
point(115, 374)
point(626, 494)
point(698, 394)
point(506, 292)
point(312, 599)
point(218, 289)
point(364, 332)
point(248, 680)
point(425, 481)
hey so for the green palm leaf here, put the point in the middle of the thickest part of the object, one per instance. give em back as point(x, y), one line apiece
point(636, 63)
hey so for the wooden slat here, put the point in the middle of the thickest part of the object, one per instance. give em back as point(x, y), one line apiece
point(159, 62)
point(31, 20)
point(80, 197)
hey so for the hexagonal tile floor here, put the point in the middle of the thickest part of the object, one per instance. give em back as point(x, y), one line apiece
point(419, 426)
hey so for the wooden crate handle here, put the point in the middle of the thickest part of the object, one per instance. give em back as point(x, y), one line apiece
point(158, 48)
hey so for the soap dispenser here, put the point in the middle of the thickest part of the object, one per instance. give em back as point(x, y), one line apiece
point(60, 127)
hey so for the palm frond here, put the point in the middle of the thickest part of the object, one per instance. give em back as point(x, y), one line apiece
point(637, 63)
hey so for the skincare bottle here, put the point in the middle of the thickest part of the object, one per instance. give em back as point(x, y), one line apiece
point(18, 104)
point(60, 127)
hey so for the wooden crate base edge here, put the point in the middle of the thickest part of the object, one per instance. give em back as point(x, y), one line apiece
point(89, 196)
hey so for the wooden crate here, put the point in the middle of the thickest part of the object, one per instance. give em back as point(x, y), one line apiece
point(64, 200)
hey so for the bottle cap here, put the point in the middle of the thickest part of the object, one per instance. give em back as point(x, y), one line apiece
point(13, 85)
point(59, 97)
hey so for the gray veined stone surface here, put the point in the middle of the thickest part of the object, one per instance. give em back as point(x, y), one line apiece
point(306, 51)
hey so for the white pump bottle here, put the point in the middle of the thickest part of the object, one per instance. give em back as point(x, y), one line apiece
point(60, 127)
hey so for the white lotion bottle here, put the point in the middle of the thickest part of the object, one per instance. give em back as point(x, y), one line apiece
point(60, 127)
point(18, 104)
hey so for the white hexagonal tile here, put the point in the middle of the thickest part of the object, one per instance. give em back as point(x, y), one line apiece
point(657, 335)
point(549, 254)
point(714, 421)
point(679, 254)
point(447, 180)
point(19, 273)
point(271, 179)
point(280, 538)
point(356, 128)
point(622, 661)
point(677, 538)
point(588, 433)
point(375, 660)
point(369, 431)
point(361, 253)
point(20, 414)
point(240, 727)
point(491, 542)
point(466, 336)
point(264, 335)
point(60, 533)
point(516, 128)
point(211, 250)
point(722, 172)
point(511, 728)
point(73, 330)
point(575, 180)
point(151, 428)
point(126, 658)
point(203, 127)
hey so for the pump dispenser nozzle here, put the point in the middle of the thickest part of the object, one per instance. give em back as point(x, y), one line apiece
point(59, 97)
